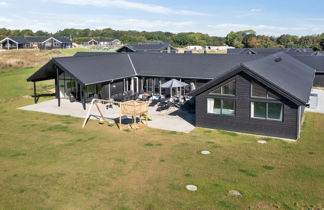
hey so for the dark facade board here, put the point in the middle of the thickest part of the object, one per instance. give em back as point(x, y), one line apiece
point(241, 121)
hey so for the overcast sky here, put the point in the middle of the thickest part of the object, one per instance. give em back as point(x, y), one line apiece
point(275, 17)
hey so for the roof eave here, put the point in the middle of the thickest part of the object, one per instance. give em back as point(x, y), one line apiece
point(273, 86)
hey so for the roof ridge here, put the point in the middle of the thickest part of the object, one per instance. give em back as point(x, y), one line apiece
point(130, 60)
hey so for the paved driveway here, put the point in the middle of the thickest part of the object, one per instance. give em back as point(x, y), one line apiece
point(320, 102)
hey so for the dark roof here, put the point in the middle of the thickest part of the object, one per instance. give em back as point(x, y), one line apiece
point(24, 40)
point(90, 53)
point(19, 40)
point(36, 39)
point(88, 40)
point(198, 66)
point(316, 62)
point(46, 72)
point(97, 69)
point(99, 40)
point(281, 71)
point(147, 46)
point(285, 72)
point(267, 51)
point(105, 40)
point(63, 39)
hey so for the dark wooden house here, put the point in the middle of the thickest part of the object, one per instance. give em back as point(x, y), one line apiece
point(266, 96)
point(245, 93)
point(35, 42)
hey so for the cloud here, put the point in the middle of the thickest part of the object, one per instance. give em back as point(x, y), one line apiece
point(125, 4)
point(137, 24)
point(232, 26)
point(255, 10)
point(5, 20)
point(52, 22)
point(152, 24)
point(3, 3)
point(316, 19)
point(223, 29)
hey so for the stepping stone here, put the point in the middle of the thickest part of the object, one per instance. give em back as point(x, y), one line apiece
point(234, 193)
point(191, 187)
point(205, 152)
point(262, 142)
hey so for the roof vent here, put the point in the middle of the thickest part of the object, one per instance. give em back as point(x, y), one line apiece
point(278, 59)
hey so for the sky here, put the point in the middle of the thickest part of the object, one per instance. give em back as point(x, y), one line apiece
point(215, 17)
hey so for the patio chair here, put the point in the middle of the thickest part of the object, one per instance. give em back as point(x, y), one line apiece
point(165, 106)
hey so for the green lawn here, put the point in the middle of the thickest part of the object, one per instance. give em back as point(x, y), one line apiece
point(72, 51)
point(49, 162)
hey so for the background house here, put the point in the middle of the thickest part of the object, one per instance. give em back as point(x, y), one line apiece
point(149, 47)
point(102, 42)
point(267, 51)
point(35, 42)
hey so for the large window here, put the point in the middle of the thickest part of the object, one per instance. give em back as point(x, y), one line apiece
point(67, 85)
point(266, 110)
point(227, 89)
point(220, 106)
point(259, 91)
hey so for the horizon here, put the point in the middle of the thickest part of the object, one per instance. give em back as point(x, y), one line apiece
point(214, 18)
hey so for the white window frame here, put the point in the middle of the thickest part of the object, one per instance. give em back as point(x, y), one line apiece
point(222, 104)
point(267, 104)
point(221, 88)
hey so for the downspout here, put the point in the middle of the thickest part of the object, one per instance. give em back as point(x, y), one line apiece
point(298, 122)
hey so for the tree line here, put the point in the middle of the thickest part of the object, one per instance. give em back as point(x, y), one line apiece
point(240, 39)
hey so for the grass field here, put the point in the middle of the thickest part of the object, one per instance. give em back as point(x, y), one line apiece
point(49, 162)
point(27, 58)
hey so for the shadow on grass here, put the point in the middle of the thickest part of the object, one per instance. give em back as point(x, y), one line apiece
point(229, 133)
point(246, 172)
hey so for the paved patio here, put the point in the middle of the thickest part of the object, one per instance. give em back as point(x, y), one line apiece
point(172, 119)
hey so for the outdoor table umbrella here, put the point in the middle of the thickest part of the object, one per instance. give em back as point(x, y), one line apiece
point(173, 83)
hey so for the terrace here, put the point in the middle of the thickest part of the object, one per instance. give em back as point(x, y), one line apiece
point(172, 119)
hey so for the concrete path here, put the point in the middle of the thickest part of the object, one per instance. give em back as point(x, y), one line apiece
point(173, 119)
point(320, 102)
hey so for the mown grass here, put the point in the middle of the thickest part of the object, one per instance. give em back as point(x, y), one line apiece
point(49, 162)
